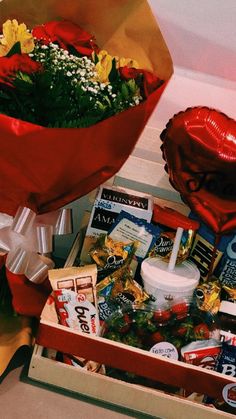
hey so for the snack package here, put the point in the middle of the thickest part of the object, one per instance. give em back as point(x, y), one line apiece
point(110, 255)
point(128, 227)
point(76, 302)
point(109, 202)
point(207, 296)
point(226, 269)
point(226, 364)
point(201, 353)
point(117, 290)
point(227, 315)
point(75, 294)
point(168, 221)
point(207, 250)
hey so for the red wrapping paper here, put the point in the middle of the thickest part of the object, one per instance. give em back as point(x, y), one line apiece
point(28, 299)
point(47, 168)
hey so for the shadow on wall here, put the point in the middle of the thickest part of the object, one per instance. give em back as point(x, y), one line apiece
point(198, 53)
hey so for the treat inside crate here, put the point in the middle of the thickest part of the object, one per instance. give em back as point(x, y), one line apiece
point(133, 396)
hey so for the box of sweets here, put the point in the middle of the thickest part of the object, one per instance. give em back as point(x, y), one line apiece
point(166, 377)
point(157, 402)
point(109, 202)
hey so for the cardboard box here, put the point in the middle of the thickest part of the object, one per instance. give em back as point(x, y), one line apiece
point(109, 202)
point(136, 397)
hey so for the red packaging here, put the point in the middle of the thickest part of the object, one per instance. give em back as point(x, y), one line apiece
point(201, 353)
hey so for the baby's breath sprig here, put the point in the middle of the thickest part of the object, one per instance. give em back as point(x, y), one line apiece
point(67, 93)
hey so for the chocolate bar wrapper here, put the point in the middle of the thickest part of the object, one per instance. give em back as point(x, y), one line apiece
point(75, 297)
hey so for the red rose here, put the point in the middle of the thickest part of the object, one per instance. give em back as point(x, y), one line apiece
point(127, 73)
point(66, 34)
point(9, 66)
point(150, 81)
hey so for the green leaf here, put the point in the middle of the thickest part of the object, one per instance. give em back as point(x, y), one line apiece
point(124, 91)
point(23, 76)
point(4, 95)
point(132, 86)
point(95, 58)
point(16, 49)
point(114, 74)
point(73, 51)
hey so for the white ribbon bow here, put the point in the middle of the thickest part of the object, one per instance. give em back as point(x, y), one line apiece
point(28, 239)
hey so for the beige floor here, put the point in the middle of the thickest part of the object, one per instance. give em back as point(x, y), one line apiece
point(21, 400)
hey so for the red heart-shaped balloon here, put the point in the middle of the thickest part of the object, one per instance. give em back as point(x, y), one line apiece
point(199, 147)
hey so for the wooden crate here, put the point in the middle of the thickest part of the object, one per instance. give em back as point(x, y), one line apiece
point(136, 397)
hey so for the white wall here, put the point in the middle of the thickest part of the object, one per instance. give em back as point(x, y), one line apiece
point(200, 34)
point(201, 37)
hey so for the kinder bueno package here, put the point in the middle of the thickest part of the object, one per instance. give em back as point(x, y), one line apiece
point(75, 301)
point(74, 290)
point(109, 202)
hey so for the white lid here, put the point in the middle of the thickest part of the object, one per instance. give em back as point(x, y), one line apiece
point(185, 276)
point(228, 307)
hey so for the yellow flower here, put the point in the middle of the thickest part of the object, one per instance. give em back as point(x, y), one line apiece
point(12, 33)
point(128, 62)
point(103, 66)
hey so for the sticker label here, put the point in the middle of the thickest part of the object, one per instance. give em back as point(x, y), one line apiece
point(229, 394)
point(165, 349)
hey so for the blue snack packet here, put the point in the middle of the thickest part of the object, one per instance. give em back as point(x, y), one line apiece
point(226, 269)
point(226, 364)
point(207, 251)
point(127, 227)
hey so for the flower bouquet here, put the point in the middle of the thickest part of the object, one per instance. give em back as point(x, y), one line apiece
point(72, 102)
point(77, 88)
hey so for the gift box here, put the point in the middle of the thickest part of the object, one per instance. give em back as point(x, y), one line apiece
point(139, 398)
